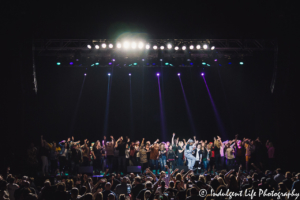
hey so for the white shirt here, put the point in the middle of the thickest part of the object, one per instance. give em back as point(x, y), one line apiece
point(221, 151)
point(197, 155)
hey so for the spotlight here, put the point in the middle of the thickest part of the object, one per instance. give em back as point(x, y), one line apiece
point(71, 63)
point(203, 63)
point(119, 45)
point(96, 63)
point(153, 64)
point(213, 47)
point(160, 59)
point(155, 47)
point(171, 65)
point(183, 47)
point(141, 45)
point(85, 74)
point(216, 60)
point(178, 74)
point(166, 63)
point(169, 46)
point(143, 59)
point(208, 65)
point(129, 74)
point(110, 63)
point(133, 45)
point(89, 46)
point(205, 46)
point(103, 45)
point(176, 48)
point(134, 63)
point(162, 47)
point(229, 63)
point(202, 74)
point(147, 46)
point(92, 65)
point(108, 74)
point(97, 46)
point(113, 60)
point(191, 63)
point(241, 63)
point(126, 45)
point(198, 47)
point(192, 47)
point(110, 46)
point(157, 74)
point(58, 63)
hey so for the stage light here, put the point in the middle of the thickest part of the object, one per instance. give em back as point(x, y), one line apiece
point(198, 47)
point(110, 46)
point(143, 59)
point(216, 60)
point(162, 47)
point(188, 60)
point(160, 59)
point(202, 74)
point(208, 65)
point(153, 63)
point(241, 63)
point(147, 46)
point(108, 74)
point(133, 45)
point(178, 74)
point(141, 45)
point(166, 63)
point(171, 65)
point(89, 46)
point(157, 74)
point(92, 65)
point(213, 47)
point(205, 46)
point(58, 63)
point(134, 63)
point(191, 47)
point(203, 63)
point(71, 63)
point(113, 60)
point(183, 47)
point(119, 45)
point(103, 45)
point(191, 63)
point(176, 48)
point(97, 46)
point(155, 47)
point(129, 74)
point(126, 45)
point(169, 46)
point(84, 74)
point(130, 65)
point(96, 63)
point(229, 63)
point(110, 63)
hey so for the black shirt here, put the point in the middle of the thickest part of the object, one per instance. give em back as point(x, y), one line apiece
point(180, 155)
point(97, 152)
point(136, 190)
point(121, 147)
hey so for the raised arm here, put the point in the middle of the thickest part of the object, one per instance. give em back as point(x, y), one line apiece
point(173, 139)
point(142, 142)
point(112, 140)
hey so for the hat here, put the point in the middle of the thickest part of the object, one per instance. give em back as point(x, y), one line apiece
point(190, 140)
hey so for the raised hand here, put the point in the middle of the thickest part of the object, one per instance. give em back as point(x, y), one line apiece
point(72, 138)
point(111, 137)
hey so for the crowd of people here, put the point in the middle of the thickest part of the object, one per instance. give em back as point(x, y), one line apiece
point(235, 165)
point(68, 155)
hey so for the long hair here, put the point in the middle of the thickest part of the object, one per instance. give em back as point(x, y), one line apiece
point(99, 196)
point(217, 143)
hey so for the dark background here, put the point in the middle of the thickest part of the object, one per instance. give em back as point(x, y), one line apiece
point(241, 93)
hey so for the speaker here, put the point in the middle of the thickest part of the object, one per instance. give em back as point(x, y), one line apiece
point(86, 170)
point(134, 169)
point(185, 168)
